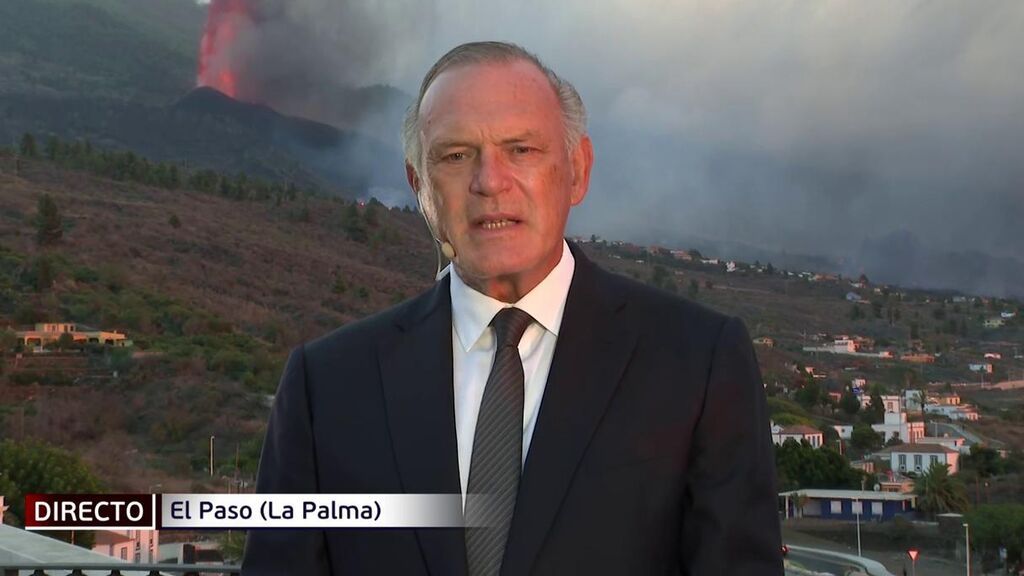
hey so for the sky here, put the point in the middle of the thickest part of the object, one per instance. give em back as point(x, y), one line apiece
point(858, 130)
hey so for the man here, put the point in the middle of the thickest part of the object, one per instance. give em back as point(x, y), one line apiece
point(593, 425)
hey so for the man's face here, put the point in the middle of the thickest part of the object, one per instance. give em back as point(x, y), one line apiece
point(500, 177)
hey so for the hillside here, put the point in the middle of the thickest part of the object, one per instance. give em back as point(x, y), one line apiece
point(212, 303)
point(122, 74)
point(97, 49)
point(215, 290)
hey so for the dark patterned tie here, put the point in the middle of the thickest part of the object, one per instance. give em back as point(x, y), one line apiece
point(497, 449)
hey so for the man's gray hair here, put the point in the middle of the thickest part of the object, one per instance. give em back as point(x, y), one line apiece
point(574, 114)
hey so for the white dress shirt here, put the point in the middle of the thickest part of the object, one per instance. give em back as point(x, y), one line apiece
point(473, 347)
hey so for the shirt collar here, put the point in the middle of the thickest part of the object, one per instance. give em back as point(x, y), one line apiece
point(473, 311)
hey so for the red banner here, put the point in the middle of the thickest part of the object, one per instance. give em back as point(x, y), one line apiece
point(90, 511)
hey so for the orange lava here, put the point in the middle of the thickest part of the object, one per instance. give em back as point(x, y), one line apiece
point(215, 49)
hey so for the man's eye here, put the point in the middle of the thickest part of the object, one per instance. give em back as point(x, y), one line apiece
point(523, 149)
point(454, 157)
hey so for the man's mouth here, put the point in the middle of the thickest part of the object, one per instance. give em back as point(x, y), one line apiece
point(496, 221)
point(496, 224)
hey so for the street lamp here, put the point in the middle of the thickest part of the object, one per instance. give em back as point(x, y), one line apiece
point(211, 455)
point(967, 531)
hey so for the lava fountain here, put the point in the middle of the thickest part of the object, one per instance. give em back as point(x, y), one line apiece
point(217, 65)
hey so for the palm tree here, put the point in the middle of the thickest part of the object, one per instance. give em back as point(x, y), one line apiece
point(939, 493)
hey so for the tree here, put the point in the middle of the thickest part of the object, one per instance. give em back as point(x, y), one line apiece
point(32, 467)
point(371, 215)
point(28, 145)
point(998, 526)
point(49, 226)
point(938, 492)
point(660, 276)
point(52, 147)
point(174, 221)
point(865, 438)
point(810, 395)
point(694, 288)
point(876, 408)
point(849, 403)
point(894, 440)
point(985, 461)
point(800, 465)
point(353, 224)
point(66, 341)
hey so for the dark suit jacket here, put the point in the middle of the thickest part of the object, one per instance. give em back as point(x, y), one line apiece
point(651, 453)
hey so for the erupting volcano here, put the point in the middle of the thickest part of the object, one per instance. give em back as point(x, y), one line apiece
point(224, 21)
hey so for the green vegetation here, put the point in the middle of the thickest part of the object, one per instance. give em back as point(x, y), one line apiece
point(103, 298)
point(30, 467)
point(799, 465)
point(779, 407)
point(939, 492)
point(986, 462)
point(128, 166)
point(98, 54)
point(810, 394)
point(998, 526)
point(864, 437)
point(48, 222)
point(27, 147)
point(849, 403)
point(661, 277)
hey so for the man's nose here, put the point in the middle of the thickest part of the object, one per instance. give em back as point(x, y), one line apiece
point(491, 173)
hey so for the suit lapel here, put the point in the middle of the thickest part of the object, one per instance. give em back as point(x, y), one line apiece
point(593, 349)
point(416, 374)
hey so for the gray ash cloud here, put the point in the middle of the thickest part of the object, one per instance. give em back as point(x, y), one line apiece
point(801, 127)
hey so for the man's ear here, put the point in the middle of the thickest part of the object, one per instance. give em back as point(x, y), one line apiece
point(582, 162)
point(413, 178)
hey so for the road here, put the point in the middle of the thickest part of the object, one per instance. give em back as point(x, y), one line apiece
point(819, 565)
point(954, 430)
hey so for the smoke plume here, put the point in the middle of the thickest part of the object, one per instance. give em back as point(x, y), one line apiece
point(806, 127)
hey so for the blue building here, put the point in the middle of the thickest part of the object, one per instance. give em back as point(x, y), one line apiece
point(847, 504)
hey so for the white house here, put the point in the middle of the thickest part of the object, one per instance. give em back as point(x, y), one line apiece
point(798, 432)
point(896, 425)
point(844, 345)
point(993, 356)
point(845, 431)
point(985, 367)
point(892, 403)
point(952, 442)
point(138, 546)
point(912, 400)
point(953, 412)
point(919, 457)
point(951, 399)
point(994, 322)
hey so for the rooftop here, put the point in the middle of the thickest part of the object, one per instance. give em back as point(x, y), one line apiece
point(850, 494)
point(799, 429)
point(920, 448)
